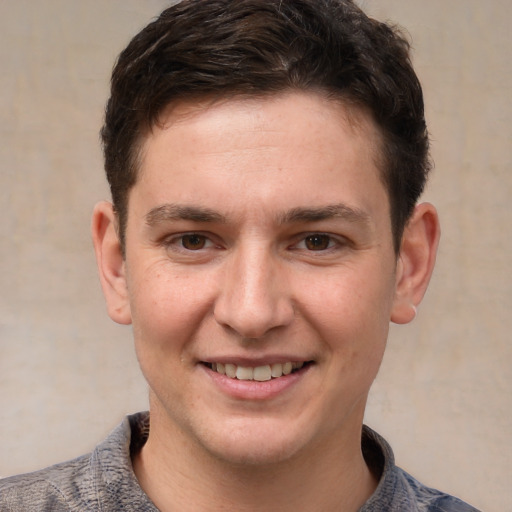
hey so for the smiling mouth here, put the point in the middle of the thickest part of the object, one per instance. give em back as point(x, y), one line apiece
point(258, 373)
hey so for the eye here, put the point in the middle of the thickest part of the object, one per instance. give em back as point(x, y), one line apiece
point(317, 242)
point(193, 242)
point(191, 247)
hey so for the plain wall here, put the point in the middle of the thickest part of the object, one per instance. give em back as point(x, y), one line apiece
point(68, 374)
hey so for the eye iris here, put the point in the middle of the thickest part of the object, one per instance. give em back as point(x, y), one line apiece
point(317, 242)
point(193, 242)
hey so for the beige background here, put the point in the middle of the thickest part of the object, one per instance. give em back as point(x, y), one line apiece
point(68, 374)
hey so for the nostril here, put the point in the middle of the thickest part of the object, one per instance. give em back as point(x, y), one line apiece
point(253, 322)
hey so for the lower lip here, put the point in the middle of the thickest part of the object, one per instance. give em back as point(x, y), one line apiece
point(255, 390)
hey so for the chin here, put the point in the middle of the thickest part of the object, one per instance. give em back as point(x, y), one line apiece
point(255, 444)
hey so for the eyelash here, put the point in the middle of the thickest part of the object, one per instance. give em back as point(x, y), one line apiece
point(177, 242)
point(316, 239)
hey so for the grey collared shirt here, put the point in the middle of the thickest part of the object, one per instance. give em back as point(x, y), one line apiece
point(104, 480)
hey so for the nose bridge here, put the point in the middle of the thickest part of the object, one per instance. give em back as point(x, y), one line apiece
point(253, 298)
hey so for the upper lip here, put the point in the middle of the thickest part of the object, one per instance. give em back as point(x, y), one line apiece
point(256, 361)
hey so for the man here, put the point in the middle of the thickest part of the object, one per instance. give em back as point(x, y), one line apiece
point(265, 160)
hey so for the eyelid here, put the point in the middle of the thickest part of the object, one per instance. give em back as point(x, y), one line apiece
point(335, 242)
point(173, 241)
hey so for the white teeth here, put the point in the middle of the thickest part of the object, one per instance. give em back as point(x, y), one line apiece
point(230, 370)
point(276, 370)
point(287, 368)
point(259, 373)
point(244, 373)
point(262, 373)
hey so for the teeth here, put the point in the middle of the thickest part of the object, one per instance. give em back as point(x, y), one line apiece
point(287, 368)
point(276, 370)
point(230, 370)
point(259, 373)
point(244, 373)
point(262, 373)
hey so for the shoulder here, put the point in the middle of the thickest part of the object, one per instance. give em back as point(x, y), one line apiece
point(54, 488)
point(431, 500)
point(397, 490)
point(102, 480)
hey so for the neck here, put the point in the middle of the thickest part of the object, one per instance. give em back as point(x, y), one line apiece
point(178, 475)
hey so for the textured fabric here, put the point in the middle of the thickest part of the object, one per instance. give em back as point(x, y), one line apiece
point(104, 480)
point(101, 481)
point(397, 490)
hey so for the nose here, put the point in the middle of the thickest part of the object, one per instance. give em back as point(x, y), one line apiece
point(254, 298)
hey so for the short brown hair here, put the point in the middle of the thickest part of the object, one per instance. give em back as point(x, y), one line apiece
point(220, 48)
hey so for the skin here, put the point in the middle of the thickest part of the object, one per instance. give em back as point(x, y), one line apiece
point(258, 232)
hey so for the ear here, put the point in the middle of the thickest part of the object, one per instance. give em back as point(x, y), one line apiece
point(111, 264)
point(416, 262)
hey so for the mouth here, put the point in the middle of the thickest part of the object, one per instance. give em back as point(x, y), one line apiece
point(257, 373)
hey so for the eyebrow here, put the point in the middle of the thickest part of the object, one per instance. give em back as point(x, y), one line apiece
point(340, 211)
point(171, 211)
point(168, 212)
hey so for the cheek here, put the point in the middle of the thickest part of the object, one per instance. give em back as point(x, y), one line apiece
point(351, 311)
point(166, 307)
point(164, 320)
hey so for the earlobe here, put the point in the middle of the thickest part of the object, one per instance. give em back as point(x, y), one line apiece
point(416, 262)
point(111, 264)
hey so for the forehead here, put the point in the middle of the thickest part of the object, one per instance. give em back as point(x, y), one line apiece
point(275, 146)
point(288, 105)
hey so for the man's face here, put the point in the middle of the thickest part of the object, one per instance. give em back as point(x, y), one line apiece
point(259, 236)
